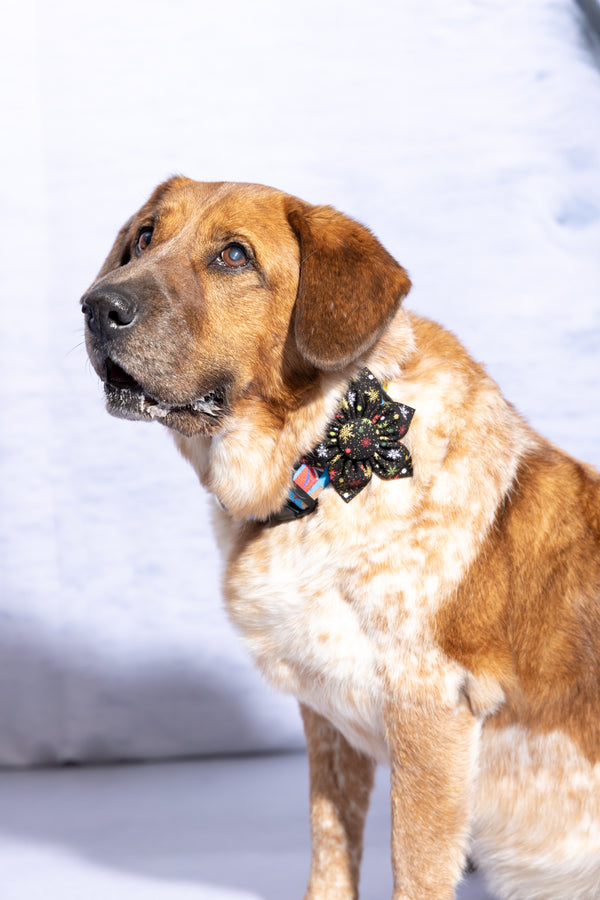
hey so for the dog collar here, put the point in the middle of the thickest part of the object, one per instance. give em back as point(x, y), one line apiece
point(361, 440)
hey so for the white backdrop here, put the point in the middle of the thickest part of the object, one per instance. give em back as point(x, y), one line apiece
point(465, 134)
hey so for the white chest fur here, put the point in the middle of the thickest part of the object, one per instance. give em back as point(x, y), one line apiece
point(340, 614)
point(308, 639)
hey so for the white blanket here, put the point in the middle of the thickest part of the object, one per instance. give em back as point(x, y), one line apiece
point(465, 134)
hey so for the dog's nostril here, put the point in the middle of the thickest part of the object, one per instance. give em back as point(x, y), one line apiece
point(121, 317)
point(119, 309)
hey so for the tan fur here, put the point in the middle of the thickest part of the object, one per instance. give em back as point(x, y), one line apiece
point(447, 624)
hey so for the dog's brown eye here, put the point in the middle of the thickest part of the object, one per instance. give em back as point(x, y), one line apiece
point(234, 256)
point(143, 241)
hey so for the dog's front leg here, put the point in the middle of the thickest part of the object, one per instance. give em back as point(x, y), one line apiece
point(341, 780)
point(432, 756)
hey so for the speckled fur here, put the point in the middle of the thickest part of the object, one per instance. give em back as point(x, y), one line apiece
point(427, 623)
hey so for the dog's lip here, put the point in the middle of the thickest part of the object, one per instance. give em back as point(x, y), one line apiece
point(124, 390)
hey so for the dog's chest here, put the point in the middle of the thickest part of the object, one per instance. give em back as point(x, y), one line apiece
point(341, 620)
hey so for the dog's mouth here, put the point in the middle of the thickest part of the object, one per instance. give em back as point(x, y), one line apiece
point(126, 398)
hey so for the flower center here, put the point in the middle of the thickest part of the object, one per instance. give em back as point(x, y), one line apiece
point(358, 439)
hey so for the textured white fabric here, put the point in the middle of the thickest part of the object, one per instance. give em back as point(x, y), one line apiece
point(465, 134)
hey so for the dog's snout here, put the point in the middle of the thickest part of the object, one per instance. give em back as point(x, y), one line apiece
point(107, 310)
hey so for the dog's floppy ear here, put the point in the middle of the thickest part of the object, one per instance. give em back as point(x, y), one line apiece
point(120, 252)
point(349, 286)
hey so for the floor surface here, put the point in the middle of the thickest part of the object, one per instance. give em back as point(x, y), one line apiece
point(214, 830)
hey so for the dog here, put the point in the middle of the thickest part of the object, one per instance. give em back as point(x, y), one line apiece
point(404, 554)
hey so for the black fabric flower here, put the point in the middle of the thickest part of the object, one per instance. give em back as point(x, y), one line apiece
point(364, 437)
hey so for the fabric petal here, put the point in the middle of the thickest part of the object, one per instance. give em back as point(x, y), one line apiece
point(364, 438)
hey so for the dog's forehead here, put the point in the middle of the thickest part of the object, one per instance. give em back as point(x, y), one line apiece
point(215, 207)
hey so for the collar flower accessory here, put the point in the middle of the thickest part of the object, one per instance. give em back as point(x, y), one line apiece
point(364, 438)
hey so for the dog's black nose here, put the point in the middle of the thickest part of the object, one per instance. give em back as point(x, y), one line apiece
point(107, 310)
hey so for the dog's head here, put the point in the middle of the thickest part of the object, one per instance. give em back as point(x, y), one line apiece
point(214, 293)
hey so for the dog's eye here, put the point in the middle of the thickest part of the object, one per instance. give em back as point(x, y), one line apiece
point(143, 241)
point(234, 256)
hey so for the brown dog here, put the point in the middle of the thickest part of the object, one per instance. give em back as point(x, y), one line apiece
point(439, 609)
